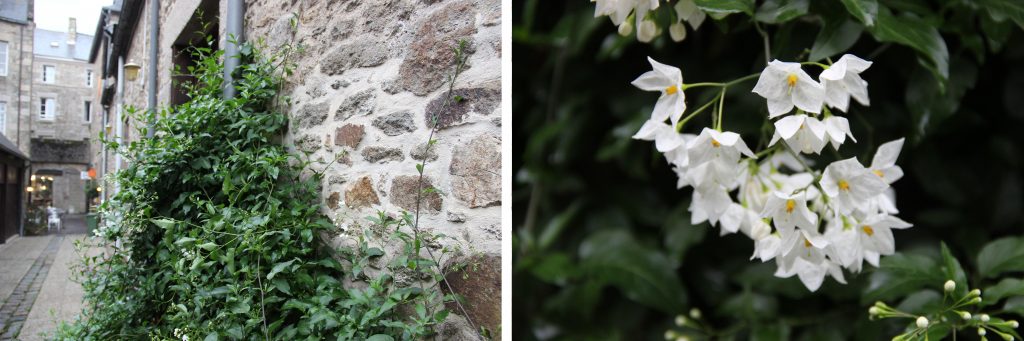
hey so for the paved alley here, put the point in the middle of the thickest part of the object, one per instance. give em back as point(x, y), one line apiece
point(35, 282)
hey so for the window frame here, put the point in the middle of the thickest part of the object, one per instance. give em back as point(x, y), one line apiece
point(5, 50)
point(89, 78)
point(3, 117)
point(54, 76)
point(87, 111)
point(47, 113)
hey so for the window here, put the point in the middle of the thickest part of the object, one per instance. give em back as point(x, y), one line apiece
point(47, 109)
point(3, 58)
point(88, 111)
point(88, 78)
point(3, 118)
point(49, 73)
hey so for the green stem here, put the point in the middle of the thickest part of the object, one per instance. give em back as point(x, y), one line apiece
point(695, 85)
point(823, 66)
point(679, 126)
point(721, 105)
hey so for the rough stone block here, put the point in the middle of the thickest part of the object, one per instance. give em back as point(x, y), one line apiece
point(476, 171)
point(462, 102)
point(404, 190)
point(361, 194)
point(359, 104)
point(363, 52)
point(396, 123)
point(479, 282)
point(382, 154)
point(429, 58)
point(349, 135)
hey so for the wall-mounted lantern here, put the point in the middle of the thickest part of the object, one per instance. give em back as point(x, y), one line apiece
point(131, 71)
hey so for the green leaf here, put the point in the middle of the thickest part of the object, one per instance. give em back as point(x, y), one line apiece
point(680, 235)
point(863, 10)
point(1015, 305)
point(901, 274)
point(184, 240)
point(913, 32)
point(163, 223)
point(1006, 288)
point(921, 302)
point(278, 268)
point(780, 11)
point(836, 37)
point(1001, 255)
point(720, 8)
point(380, 337)
point(212, 336)
point(208, 246)
point(282, 285)
point(643, 274)
point(419, 168)
point(1001, 9)
point(953, 271)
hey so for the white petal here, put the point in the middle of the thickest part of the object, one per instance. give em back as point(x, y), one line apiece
point(652, 81)
point(649, 130)
point(887, 154)
point(772, 82)
point(788, 126)
point(779, 106)
point(671, 73)
point(808, 94)
point(855, 64)
point(834, 72)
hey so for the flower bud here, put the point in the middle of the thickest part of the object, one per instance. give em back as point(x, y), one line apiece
point(983, 317)
point(1014, 324)
point(646, 30)
point(695, 313)
point(922, 322)
point(873, 311)
point(974, 293)
point(1006, 337)
point(677, 31)
point(949, 286)
point(626, 28)
point(670, 335)
point(680, 320)
point(965, 315)
point(981, 331)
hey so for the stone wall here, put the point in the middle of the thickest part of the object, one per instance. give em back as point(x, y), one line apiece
point(70, 92)
point(19, 55)
point(372, 76)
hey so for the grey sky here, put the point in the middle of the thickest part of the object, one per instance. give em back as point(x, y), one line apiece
point(53, 14)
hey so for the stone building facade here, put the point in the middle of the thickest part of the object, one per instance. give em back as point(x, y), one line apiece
point(48, 103)
point(372, 76)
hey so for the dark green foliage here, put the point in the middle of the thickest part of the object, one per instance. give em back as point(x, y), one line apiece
point(215, 232)
point(948, 75)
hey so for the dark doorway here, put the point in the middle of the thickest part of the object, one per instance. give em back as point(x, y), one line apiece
point(200, 32)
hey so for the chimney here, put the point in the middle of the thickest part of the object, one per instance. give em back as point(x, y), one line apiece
point(72, 31)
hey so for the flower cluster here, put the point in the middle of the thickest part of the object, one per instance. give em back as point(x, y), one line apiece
point(955, 304)
point(811, 222)
point(639, 15)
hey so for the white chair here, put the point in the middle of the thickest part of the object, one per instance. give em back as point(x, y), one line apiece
point(53, 220)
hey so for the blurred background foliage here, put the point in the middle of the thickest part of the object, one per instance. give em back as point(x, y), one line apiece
point(603, 247)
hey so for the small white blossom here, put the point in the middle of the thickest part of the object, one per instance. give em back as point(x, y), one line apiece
point(801, 132)
point(790, 211)
point(842, 80)
point(849, 185)
point(687, 11)
point(884, 163)
point(669, 81)
point(837, 129)
point(785, 85)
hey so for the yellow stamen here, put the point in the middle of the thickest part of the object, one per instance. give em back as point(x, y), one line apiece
point(715, 143)
point(843, 185)
point(807, 243)
point(789, 205)
point(879, 173)
point(868, 230)
point(791, 80)
point(671, 90)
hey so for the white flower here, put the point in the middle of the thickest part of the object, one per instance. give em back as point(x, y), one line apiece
point(687, 11)
point(677, 31)
point(669, 81)
point(853, 240)
point(786, 85)
point(616, 10)
point(842, 80)
point(849, 185)
point(713, 144)
point(709, 204)
point(837, 129)
point(789, 211)
point(801, 132)
point(803, 254)
point(664, 136)
point(884, 163)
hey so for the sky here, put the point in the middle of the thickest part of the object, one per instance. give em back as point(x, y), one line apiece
point(53, 14)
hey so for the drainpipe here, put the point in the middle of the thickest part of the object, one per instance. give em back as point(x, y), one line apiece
point(236, 15)
point(117, 112)
point(154, 33)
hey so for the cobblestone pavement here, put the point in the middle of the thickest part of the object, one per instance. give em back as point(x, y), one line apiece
point(35, 283)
